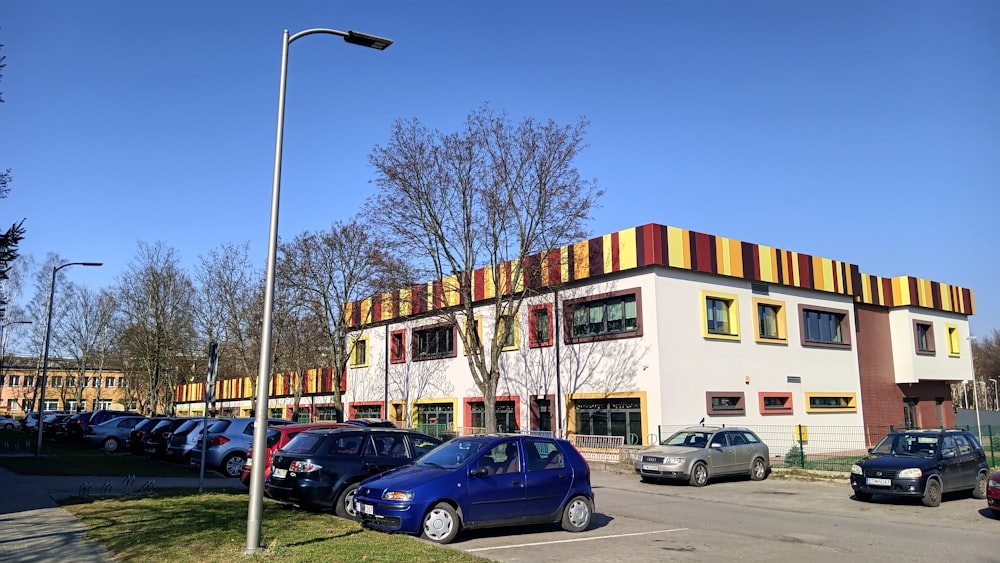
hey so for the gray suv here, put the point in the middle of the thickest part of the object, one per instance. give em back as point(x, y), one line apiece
point(185, 438)
point(228, 442)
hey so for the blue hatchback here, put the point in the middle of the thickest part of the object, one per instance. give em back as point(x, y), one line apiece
point(479, 482)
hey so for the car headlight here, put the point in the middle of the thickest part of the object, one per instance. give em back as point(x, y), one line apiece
point(673, 461)
point(638, 456)
point(397, 495)
point(910, 473)
point(856, 470)
point(994, 484)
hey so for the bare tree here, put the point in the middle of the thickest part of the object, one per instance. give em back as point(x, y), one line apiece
point(322, 272)
point(495, 193)
point(229, 309)
point(83, 337)
point(155, 297)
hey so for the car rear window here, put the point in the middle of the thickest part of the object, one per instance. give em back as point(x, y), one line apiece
point(304, 443)
point(186, 427)
point(219, 426)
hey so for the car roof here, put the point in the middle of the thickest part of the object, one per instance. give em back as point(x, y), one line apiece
point(714, 428)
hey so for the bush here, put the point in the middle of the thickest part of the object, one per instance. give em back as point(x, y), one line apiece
point(795, 457)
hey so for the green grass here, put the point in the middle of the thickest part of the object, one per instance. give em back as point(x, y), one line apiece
point(61, 458)
point(180, 527)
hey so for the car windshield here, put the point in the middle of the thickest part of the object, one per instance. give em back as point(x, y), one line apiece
point(303, 443)
point(907, 443)
point(450, 455)
point(689, 438)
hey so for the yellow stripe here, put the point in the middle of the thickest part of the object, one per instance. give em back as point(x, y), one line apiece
point(606, 245)
point(767, 266)
point(581, 260)
point(405, 302)
point(564, 265)
point(927, 293)
point(627, 254)
point(677, 249)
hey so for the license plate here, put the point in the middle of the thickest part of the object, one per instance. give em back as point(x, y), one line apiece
point(280, 473)
point(648, 467)
point(364, 508)
point(878, 482)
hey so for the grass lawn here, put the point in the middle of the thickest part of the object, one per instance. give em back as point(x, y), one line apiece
point(61, 458)
point(180, 526)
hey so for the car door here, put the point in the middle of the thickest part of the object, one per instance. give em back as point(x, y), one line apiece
point(548, 478)
point(499, 494)
point(742, 451)
point(967, 464)
point(950, 464)
point(384, 451)
point(124, 426)
point(722, 458)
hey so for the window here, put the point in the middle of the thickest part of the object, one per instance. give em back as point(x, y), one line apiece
point(109, 382)
point(473, 336)
point(57, 381)
point(359, 352)
point(434, 342)
point(610, 417)
point(822, 327)
point(86, 382)
point(540, 325)
point(366, 411)
point(512, 341)
point(776, 402)
point(724, 402)
point(923, 337)
point(770, 326)
point(721, 316)
point(831, 402)
point(953, 347)
point(613, 315)
point(435, 418)
point(29, 381)
point(505, 415)
point(397, 346)
point(14, 380)
point(70, 381)
point(50, 405)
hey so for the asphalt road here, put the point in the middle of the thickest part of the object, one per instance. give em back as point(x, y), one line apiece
point(741, 520)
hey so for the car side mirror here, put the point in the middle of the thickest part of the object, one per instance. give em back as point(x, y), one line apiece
point(479, 472)
point(871, 450)
point(715, 445)
point(947, 453)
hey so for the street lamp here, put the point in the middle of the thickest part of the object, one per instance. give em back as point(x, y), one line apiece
point(3, 348)
point(45, 352)
point(975, 386)
point(256, 507)
point(996, 393)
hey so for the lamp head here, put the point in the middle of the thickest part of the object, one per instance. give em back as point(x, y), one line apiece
point(365, 40)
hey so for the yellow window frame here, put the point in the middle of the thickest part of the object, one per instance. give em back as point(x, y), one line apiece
point(780, 319)
point(732, 305)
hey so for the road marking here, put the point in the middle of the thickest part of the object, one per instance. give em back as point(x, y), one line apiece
point(575, 540)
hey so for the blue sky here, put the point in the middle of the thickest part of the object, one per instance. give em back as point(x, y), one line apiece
point(863, 131)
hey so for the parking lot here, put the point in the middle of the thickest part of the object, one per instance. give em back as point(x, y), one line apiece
point(751, 521)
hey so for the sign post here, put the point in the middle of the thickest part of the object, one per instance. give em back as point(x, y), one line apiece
point(213, 364)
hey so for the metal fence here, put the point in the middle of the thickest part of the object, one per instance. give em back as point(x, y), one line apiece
point(835, 448)
point(599, 448)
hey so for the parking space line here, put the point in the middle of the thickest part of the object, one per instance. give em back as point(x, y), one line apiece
point(575, 540)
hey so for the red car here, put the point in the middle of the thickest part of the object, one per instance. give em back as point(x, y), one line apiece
point(277, 437)
point(993, 493)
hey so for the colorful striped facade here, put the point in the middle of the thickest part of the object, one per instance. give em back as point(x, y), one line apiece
point(672, 247)
point(317, 382)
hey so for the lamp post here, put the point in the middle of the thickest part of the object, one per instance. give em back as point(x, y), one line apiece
point(256, 507)
point(45, 352)
point(3, 349)
point(975, 386)
point(996, 393)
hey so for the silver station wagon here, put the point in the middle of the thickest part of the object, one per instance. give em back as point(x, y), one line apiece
point(699, 453)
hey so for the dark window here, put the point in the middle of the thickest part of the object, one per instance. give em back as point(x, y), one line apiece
point(725, 403)
point(397, 347)
point(822, 327)
point(506, 421)
point(614, 316)
point(434, 342)
point(542, 326)
point(610, 417)
point(767, 320)
point(923, 338)
point(717, 311)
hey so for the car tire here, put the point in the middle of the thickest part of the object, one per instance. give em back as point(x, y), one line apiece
point(441, 524)
point(980, 491)
point(932, 493)
point(758, 470)
point(111, 445)
point(345, 502)
point(232, 464)
point(8, 426)
point(863, 496)
point(699, 475)
point(577, 514)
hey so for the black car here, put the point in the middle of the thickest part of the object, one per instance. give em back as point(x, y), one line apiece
point(77, 426)
point(134, 441)
point(923, 464)
point(322, 468)
point(154, 443)
point(57, 427)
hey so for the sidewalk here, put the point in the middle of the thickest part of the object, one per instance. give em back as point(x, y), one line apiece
point(34, 529)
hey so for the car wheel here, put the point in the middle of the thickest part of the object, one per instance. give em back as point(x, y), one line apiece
point(932, 494)
point(576, 515)
point(111, 445)
point(345, 503)
point(699, 475)
point(232, 465)
point(980, 490)
point(862, 496)
point(758, 470)
point(8, 426)
point(441, 523)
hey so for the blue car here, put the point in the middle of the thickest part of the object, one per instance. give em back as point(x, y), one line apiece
point(479, 482)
